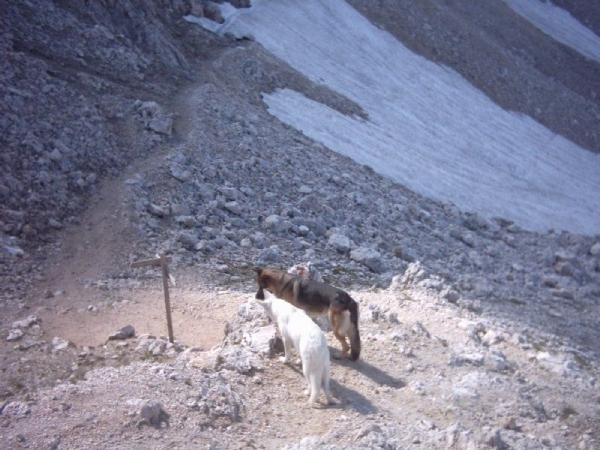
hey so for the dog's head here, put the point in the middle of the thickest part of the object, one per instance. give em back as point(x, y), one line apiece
point(265, 277)
point(264, 282)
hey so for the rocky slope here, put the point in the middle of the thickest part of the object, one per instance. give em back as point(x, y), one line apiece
point(129, 132)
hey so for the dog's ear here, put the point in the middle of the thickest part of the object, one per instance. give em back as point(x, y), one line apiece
point(258, 270)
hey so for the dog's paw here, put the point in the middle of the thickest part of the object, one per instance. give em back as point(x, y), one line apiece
point(306, 392)
point(298, 362)
point(283, 359)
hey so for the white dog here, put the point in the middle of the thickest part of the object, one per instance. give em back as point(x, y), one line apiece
point(300, 332)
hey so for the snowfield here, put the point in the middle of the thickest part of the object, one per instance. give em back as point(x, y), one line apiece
point(427, 127)
point(559, 24)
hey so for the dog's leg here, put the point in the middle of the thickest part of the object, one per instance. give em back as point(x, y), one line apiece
point(314, 385)
point(296, 292)
point(287, 348)
point(325, 381)
point(336, 322)
point(308, 389)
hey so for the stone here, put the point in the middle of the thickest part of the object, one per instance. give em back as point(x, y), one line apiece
point(188, 240)
point(264, 341)
point(156, 210)
point(340, 242)
point(14, 335)
point(16, 410)
point(153, 413)
point(161, 125)
point(157, 346)
point(271, 254)
point(369, 257)
point(186, 221)
point(473, 358)
point(60, 344)
point(277, 224)
point(124, 333)
point(233, 207)
point(180, 173)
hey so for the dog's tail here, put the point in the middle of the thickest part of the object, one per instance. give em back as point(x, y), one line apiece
point(353, 333)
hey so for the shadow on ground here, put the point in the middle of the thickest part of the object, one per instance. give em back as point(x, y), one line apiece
point(374, 373)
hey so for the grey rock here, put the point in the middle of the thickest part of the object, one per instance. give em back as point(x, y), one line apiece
point(264, 341)
point(494, 440)
point(450, 295)
point(124, 333)
point(461, 358)
point(156, 210)
point(468, 239)
point(307, 443)
point(271, 254)
point(162, 125)
point(404, 253)
point(367, 429)
point(212, 11)
point(13, 251)
point(153, 413)
point(218, 402)
point(340, 242)
point(14, 335)
point(180, 173)
point(496, 361)
point(233, 207)
point(564, 268)
point(277, 224)
point(55, 224)
point(16, 410)
point(186, 221)
point(420, 330)
point(155, 118)
point(188, 240)
point(370, 258)
point(460, 393)
point(180, 209)
point(230, 194)
point(60, 344)
point(27, 322)
point(414, 273)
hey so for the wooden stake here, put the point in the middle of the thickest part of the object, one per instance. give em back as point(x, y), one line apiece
point(162, 261)
point(165, 277)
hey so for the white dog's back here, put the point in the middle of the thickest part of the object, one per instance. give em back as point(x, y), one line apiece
point(298, 330)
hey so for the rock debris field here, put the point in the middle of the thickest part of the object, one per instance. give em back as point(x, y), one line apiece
point(128, 132)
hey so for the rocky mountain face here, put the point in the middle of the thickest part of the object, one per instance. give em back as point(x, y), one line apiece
point(129, 95)
point(70, 79)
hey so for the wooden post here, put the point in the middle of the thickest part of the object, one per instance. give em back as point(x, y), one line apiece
point(165, 277)
point(162, 261)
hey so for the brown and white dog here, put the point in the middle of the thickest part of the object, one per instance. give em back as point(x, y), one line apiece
point(316, 299)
